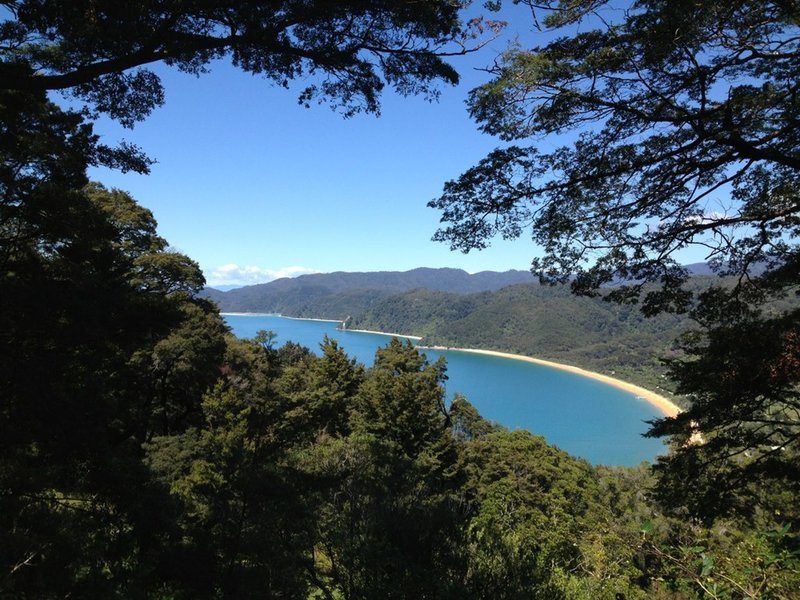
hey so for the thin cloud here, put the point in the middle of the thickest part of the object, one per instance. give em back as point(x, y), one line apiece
point(233, 274)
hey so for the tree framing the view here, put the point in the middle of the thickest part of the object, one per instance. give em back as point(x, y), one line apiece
point(147, 452)
point(684, 119)
point(110, 359)
point(98, 51)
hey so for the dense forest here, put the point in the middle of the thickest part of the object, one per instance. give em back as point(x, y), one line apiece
point(318, 292)
point(539, 321)
point(275, 472)
point(546, 322)
point(145, 452)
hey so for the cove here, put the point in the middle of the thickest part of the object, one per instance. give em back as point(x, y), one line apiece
point(584, 417)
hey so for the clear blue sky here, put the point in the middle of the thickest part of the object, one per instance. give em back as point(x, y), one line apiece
point(252, 185)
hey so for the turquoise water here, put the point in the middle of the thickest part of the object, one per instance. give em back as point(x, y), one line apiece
point(585, 417)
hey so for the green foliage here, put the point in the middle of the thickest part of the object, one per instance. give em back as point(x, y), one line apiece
point(315, 476)
point(538, 527)
point(101, 352)
point(742, 378)
point(467, 424)
point(670, 102)
point(346, 51)
point(243, 527)
point(684, 117)
point(389, 522)
point(145, 452)
point(724, 562)
point(121, 474)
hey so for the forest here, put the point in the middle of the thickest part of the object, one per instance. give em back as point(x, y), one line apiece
point(145, 452)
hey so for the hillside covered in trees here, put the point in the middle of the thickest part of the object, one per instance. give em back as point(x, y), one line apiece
point(547, 322)
point(492, 311)
point(145, 452)
point(335, 295)
point(539, 321)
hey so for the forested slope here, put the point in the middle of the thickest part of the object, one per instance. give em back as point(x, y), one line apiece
point(546, 322)
point(335, 295)
point(508, 311)
point(540, 321)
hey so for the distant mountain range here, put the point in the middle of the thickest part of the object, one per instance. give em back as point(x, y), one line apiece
point(332, 292)
point(336, 295)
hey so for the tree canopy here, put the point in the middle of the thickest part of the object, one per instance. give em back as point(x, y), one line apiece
point(682, 118)
point(104, 347)
point(685, 116)
point(100, 51)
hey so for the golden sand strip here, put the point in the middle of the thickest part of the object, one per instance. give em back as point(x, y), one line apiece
point(397, 335)
point(665, 406)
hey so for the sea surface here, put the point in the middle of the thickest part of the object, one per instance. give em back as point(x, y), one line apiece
point(587, 418)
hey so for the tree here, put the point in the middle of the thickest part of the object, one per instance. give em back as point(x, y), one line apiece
point(684, 121)
point(531, 508)
point(105, 346)
point(99, 51)
point(387, 507)
point(324, 399)
point(245, 529)
point(91, 305)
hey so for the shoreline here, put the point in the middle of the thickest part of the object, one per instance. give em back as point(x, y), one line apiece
point(250, 314)
point(260, 314)
point(664, 405)
point(667, 407)
point(397, 335)
point(310, 319)
point(253, 314)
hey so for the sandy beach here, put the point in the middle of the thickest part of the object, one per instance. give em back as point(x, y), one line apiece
point(665, 406)
point(397, 335)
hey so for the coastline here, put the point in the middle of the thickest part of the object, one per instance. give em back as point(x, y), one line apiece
point(258, 314)
point(250, 314)
point(397, 335)
point(310, 319)
point(664, 405)
point(254, 314)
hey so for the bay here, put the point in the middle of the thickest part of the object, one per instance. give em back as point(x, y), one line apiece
point(584, 417)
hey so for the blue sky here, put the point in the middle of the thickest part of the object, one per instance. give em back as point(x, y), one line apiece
point(253, 186)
